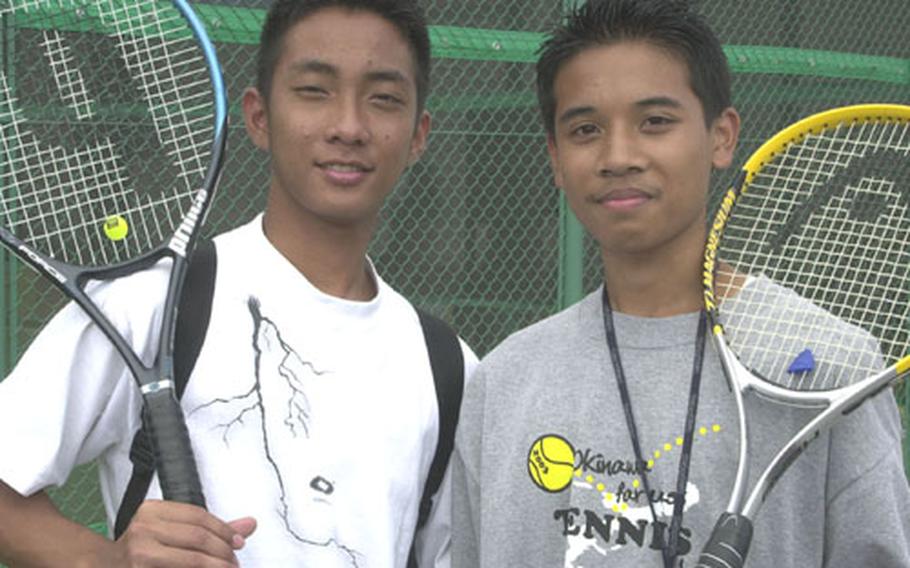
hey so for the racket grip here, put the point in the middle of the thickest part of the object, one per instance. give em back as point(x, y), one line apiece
point(729, 543)
point(174, 458)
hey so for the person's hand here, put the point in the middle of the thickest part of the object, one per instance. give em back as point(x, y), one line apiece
point(171, 534)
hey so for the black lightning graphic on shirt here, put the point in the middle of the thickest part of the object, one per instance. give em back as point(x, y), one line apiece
point(295, 419)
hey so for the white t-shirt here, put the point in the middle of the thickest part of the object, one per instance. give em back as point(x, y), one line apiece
point(313, 414)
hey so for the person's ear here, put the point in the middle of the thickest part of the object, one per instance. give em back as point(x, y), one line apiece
point(256, 118)
point(419, 139)
point(553, 152)
point(725, 133)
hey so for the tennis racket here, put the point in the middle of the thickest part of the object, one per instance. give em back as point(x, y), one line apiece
point(806, 283)
point(113, 124)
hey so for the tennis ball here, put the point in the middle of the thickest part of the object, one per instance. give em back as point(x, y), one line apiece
point(551, 463)
point(116, 228)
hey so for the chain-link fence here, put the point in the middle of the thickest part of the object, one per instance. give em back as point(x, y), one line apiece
point(476, 231)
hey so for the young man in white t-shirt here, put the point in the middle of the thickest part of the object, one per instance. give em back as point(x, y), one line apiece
point(311, 406)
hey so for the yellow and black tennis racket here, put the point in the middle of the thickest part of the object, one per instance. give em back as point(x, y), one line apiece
point(113, 121)
point(807, 284)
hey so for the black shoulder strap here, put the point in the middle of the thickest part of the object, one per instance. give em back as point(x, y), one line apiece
point(193, 314)
point(447, 363)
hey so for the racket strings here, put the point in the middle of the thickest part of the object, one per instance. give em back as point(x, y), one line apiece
point(69, 79)
point(178, 96)
point(123, 131)
point(162, 57)
point(820, 232)
point(58, 190)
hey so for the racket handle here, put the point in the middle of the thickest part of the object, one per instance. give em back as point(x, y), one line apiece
point(173, 453)
point(729, 543)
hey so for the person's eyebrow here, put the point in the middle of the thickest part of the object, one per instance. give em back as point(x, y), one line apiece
point(386, 76)
point(574, 112)
point(659, 101)
point(314, 66)
point(324, 68)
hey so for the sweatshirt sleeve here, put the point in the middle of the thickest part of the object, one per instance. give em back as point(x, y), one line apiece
point(465, 515)
point(466, 460)
point(868, 497)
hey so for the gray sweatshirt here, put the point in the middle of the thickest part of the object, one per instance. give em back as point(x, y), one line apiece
point(545, 475)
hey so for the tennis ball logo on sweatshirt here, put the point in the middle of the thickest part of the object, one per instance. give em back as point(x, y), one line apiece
point(551, 463)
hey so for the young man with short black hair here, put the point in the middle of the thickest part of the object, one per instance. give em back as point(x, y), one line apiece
point(311, 407)
point(606, 434)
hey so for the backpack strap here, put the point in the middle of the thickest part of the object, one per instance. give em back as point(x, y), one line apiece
point(193, 314)
point(447, 363)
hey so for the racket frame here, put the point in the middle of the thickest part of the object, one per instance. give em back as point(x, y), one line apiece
point(835, 402)
point(730, 541)
point(174, 459)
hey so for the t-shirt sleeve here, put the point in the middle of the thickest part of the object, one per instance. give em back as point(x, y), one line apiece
point(70, 398)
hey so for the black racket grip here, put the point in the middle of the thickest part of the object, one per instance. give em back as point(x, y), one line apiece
point(174, 458)
point(729, 543)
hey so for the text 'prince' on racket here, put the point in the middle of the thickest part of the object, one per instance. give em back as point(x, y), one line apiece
point(807, 284)
point(112, 123)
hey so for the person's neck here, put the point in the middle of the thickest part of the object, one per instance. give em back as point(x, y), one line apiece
point(660, 283)
point(332, 257)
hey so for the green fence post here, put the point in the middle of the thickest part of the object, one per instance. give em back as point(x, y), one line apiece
point(571, 256)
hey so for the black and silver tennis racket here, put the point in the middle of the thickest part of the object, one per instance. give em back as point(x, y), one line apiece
point(807, 283)
point(113, 124)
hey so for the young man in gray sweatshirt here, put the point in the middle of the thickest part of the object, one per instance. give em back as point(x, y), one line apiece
point(574, 430)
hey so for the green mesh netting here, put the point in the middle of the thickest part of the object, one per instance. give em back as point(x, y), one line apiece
point(476, 231)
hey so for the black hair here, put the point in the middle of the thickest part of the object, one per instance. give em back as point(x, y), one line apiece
point(668, 24)
point(406, 15)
